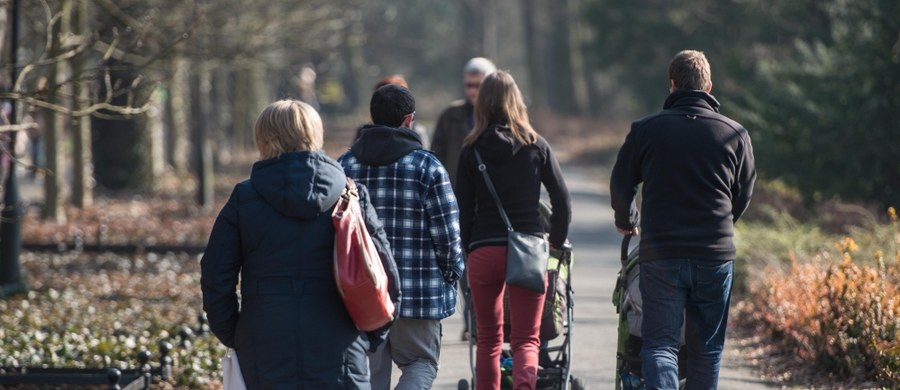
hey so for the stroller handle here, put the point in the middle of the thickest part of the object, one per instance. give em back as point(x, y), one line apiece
point(626, 239)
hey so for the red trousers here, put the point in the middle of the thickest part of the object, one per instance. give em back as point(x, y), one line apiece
point(486, 267)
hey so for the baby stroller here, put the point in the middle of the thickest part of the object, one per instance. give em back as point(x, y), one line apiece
point(555, 362)
point(627, 299)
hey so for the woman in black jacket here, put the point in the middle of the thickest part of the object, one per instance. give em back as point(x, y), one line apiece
point(518, 161)
point(290, 330)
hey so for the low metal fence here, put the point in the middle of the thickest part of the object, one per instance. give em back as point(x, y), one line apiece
point(128, 379)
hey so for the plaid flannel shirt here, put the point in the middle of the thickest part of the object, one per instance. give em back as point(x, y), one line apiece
point(417, 206)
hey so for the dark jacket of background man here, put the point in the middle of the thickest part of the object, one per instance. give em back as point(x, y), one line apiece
point(452, 127)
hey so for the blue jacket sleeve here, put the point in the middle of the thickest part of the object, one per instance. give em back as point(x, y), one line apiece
point(443, 212)
point(219, 270)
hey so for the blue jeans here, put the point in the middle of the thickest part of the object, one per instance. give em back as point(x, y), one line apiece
point(673, 289)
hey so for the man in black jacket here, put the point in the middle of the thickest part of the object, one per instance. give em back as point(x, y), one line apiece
point(697, 170)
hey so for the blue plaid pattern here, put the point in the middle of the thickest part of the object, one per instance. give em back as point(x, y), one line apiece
point(417, 206)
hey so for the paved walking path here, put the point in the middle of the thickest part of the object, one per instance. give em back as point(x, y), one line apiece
point(596, 245)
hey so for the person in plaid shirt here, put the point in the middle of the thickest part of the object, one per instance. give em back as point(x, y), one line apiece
point(411, 191)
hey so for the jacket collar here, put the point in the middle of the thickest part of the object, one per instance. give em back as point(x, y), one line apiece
point(691, 98)
point(497, 143)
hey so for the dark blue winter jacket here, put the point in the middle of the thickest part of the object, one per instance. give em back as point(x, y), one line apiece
point(290, 330)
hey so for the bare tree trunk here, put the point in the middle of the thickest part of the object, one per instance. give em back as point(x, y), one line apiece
point(4, 21)
point(576, 44)
point(260, 95)
point(83, 171)
point(355, 58)
point(11, 280)
point(559, 67)
point(590, 70)
point(249, 98)
point(533, 54)
point(242, 108)
point(53, 182)
point(491, 42)
point(201, 90)
point(177, 109)
point(155, 127)
point(473, 29)
point(222, 121)
point(202, 149)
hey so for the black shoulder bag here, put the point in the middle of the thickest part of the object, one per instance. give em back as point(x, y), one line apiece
point(527, 254)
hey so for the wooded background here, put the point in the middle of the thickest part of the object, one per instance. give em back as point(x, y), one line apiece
point(138, 90)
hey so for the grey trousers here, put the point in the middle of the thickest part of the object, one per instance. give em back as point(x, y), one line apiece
point(415, 346)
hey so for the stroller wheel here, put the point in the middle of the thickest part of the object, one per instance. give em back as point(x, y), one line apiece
point(577, 384)
point(462, 385)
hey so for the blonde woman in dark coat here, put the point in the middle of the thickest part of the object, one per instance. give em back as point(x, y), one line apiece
point(290, 329)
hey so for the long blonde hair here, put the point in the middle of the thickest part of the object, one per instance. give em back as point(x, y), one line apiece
point(287, 126)
point(500, 103)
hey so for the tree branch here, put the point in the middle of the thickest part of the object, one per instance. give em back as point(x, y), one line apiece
point(122, 110)
point(66, 55)
point(17, 127)
point(110, 50)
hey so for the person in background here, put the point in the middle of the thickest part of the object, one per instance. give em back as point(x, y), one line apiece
point(275, 235)
point(420, 130)
point(452, 127)
point(411, 191)
point(698, 172)
point(457, 121)
point(518, 161)
point(306, 86)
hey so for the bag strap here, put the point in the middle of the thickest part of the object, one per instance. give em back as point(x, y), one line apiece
point(490, 187)
point(347, 194)
point(350, 187)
